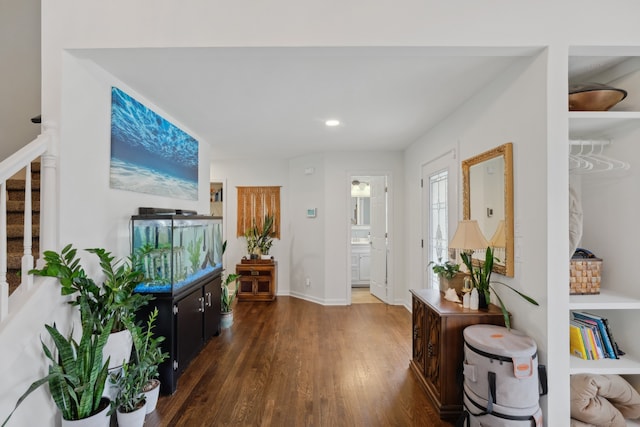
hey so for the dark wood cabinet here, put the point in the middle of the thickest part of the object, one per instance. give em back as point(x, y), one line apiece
point(258, 280)
point(187, 321)
point(438, 354)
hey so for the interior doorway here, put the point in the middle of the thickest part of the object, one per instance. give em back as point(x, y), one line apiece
point(368, 239)
point(216, 194)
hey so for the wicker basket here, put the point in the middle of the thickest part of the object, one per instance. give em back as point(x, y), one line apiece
point(585, 273)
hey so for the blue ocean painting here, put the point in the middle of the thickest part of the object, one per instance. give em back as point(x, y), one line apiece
point(149, 154)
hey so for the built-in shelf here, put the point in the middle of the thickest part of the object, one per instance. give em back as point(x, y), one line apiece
point(626, 365)
point(600, 124)
point(605, 300)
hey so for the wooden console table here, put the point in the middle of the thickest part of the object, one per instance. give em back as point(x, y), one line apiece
point(438, 346)
point(258, 280)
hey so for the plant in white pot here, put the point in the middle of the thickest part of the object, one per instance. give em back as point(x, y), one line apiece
point(226, 300)
point(113, 300)
point(130, 402)
point(77, 375)
point(147, 356)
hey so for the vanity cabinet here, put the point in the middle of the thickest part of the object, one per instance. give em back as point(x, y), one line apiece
point(360, 264)
point(258, 280)
point(437, 354)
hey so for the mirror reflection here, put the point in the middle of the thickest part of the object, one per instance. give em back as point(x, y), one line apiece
point(360, 202)
point(488, 199)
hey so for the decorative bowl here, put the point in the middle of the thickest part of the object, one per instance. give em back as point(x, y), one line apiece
point(594, 97)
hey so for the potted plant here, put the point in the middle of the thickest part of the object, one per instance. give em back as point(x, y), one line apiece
point(130, 402)
point(481, 280)
point(115, 299)
point(259, 240)
point(449, 274)
point(226, 299)
point(147, 355)
point(77, 374)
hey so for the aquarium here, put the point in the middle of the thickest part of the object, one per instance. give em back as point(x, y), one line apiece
point(175, 251)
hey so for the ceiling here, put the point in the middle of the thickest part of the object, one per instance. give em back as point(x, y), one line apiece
point(273, 102)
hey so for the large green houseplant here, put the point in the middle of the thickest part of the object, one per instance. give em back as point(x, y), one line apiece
point(77, 373)
point(481, 280)
point(113, 299)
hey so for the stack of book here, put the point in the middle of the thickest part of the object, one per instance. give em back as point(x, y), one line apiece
point(591, 337)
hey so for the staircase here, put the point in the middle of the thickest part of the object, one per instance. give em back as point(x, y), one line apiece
point(15, 223)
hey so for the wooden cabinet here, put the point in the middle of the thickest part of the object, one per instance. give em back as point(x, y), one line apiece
point(187, 321)
point(438, 342)
point(258, 280)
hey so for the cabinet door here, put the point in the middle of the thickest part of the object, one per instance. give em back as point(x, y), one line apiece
point(189, 327)
point(433, 349)
point(418, 335)
point(212, 304)
point(365, 267)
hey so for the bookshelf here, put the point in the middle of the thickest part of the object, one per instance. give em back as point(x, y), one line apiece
point(610, 211)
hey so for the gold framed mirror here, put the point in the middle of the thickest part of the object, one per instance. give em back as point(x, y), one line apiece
point(488, 198)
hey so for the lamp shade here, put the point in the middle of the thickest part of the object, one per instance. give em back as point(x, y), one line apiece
point(468, 236)
point(499, 239)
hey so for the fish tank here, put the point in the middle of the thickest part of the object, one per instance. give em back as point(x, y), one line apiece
point(175, 251)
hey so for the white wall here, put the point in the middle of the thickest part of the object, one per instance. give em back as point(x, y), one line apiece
point(20, 71)
point(516, 112)
point(511, 109)
point(254, 171)
point(91, 213)
point(314, 248)
point(339, 167)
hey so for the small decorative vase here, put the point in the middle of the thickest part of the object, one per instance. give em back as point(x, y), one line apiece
point(101, 419)
point(132, 419)
point(482, 301)
point(151, 395)
point(226, 320)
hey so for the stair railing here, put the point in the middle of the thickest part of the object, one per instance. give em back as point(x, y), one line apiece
point(42, 147)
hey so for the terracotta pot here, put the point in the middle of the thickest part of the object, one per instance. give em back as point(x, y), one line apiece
point(152, 394)
point(101, 419)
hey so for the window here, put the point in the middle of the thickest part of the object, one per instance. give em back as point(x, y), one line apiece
point(254, 203)
point(438, 220)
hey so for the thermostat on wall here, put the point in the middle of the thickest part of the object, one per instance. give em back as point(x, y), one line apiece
point(311, 213)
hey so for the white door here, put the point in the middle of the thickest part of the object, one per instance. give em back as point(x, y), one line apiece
point(440, 212)
point(378, 261)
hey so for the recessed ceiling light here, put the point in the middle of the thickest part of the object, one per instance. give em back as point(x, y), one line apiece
point(332, 122)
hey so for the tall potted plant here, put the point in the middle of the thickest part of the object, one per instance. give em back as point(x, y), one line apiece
point(481, 280)
point(77, 374)
point(147, 356)
point(114, 299)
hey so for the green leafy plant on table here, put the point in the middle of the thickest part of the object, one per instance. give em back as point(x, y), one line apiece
point(481, 280)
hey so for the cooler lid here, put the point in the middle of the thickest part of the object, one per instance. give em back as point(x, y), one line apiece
point(500, 341)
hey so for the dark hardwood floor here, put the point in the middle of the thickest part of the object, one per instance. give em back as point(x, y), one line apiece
point(296, 363)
